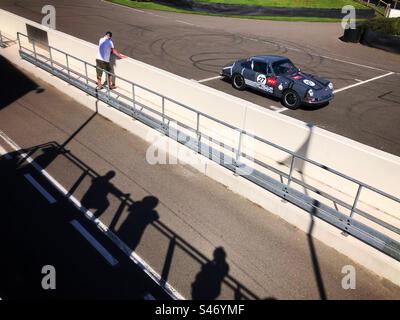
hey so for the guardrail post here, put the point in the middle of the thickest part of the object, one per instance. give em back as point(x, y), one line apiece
point(163, 110)
point(87, 77)
point(355, 200)
point(239, 149)
point(19, 41)
point(291, 171)
point(51, 59)
point(198, 133)
point(133, 98)
point(66, 58)
point(34, 49)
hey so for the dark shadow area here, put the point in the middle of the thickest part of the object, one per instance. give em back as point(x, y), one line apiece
point(314, 257)
point(34, 233)
point(14, 84)
point(298, 164)
point(387, 96)
point(96, 196)
point(207, 285)
point(140, 215)
point(313, 107)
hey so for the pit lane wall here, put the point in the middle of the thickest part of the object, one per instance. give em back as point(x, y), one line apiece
point(369, 165)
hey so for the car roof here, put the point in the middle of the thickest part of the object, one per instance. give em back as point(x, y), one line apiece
point(269, 58)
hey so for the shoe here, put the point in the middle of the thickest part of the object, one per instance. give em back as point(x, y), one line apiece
point(99, 87)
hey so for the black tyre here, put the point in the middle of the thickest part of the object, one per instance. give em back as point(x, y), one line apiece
point(291, 99)
point(238, 82)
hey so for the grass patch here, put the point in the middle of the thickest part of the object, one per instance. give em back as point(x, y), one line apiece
point(326, 4)
point(384, 25)
point(148, 5)
point(155, 6)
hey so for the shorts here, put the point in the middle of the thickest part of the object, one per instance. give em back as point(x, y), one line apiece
point(102, 65)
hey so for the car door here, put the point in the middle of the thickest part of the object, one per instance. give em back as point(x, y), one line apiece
point(250, 75)
point(262, 74)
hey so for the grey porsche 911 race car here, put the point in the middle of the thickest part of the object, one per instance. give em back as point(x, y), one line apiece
point(278, 76)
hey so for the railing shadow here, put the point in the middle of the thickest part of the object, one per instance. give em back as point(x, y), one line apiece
point(14, 84)
point(141, 214)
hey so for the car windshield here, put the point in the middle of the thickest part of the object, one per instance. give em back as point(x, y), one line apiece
point(284, 67)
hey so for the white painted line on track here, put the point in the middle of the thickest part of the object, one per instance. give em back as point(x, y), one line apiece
point(122, 6)
point(39, 188)
point(349, 62)
point(100, 225)
point(358, 80)
point(363, 82)
point(184, 22)
point(148, 297)
point(210, 79)
point(4, 153)
point(97, 245)
point(281, 110)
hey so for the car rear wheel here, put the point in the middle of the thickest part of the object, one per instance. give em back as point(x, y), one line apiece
point(291, 99)
point(238, 82)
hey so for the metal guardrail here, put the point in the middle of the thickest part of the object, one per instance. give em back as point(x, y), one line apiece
point(347, 223)
point(2, 44)
point(380, 6)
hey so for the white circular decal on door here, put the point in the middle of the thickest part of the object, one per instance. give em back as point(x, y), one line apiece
point(261, 79)
point(309, 83)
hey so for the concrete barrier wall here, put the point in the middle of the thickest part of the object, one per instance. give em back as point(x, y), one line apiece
point(394, 13)
point(372, 166)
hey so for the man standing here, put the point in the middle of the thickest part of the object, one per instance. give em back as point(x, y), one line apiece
point(106, 47)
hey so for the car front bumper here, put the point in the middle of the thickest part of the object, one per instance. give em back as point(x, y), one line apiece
point(319, 100)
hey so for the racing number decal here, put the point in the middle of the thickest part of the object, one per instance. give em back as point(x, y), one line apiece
point(262, 83)
point(261, 79)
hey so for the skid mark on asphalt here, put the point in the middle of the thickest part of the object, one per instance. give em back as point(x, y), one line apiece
point(184, 22)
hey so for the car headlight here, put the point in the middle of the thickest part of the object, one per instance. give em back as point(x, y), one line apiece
point(310, 93)
point(330, 85)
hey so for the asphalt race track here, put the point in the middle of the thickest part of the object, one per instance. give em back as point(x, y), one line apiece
point(197, 46)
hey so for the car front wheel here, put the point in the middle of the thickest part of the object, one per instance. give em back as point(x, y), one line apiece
point(238, 82)
point(291, 99)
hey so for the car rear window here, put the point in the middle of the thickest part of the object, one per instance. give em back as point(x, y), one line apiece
point(260, 67)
